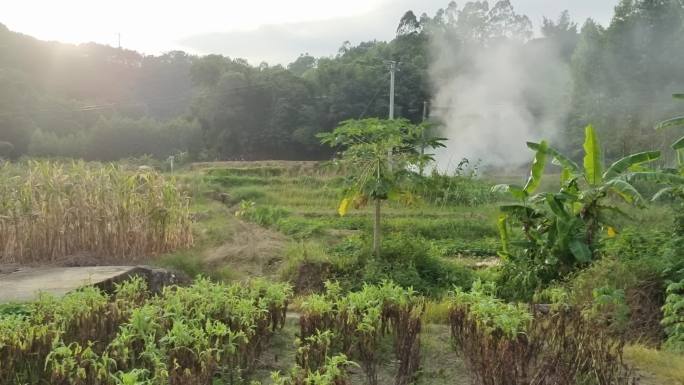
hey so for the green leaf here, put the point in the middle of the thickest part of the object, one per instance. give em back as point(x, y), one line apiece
point(625, 163)
point(515, 190)
point(655, 177)
point(664, 192)
point(674, 122)
point(566, 176)
point(556, 206)
point(519, 211)
point(537, 170)
point(625, 190)
point(502, 225)
point(678, 96)
point(558, 158)
point(679, 144)
point(580, 250)
point(592, 156)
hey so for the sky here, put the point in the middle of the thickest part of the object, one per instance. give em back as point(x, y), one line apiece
point(275, 31)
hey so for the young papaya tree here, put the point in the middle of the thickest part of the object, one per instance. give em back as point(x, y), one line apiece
point(561, 229)
point(372, 175)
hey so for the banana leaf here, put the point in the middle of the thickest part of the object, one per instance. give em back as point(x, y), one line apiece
point(537, 170)
point(592, 157)
point(625, 163)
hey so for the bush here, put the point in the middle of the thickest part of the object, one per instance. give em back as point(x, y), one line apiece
point(407, 261)
point(266, 216)
point(246, 193)
point(193, 265)
point(673, 316)
point(461, 190)
point(505, 343)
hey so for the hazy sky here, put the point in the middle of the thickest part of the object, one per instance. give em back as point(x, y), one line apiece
point(275, 31)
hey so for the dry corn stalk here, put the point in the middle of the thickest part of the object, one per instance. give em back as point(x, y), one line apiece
point(50, 210)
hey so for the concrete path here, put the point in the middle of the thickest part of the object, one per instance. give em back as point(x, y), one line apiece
point(25, 283)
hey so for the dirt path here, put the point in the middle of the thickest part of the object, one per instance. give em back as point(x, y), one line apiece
point(440, 364)
point(251, 251)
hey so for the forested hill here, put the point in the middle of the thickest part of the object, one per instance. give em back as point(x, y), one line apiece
point(99, 102)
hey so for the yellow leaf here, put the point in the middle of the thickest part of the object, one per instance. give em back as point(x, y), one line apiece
point(344, 206)
point(611, 232)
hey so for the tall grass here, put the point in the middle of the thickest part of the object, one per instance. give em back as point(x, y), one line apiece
point(50, 210)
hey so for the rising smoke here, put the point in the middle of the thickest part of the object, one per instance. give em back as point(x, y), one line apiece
point(493, 98)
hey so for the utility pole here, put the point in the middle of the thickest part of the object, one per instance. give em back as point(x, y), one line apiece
point(422, 137)
point(119, 36)
point(393, 69)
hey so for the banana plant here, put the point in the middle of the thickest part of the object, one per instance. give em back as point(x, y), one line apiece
point(674, 179)
point(678, 145)
point(561, 228)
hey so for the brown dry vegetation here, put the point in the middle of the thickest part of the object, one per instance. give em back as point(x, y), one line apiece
point(53, 210)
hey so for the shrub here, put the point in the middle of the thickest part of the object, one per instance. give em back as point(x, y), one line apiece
point(407, 261)
point(358, 321)
point(504, 343)
point(673, 317)
point(186, 335)
point(460, 189)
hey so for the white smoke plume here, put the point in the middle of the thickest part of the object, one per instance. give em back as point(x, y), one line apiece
point(491, 100)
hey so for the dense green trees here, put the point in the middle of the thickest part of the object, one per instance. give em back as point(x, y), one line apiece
point(623, 75)
point(55, 97)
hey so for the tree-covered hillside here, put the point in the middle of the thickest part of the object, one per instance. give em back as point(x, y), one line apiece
point(99, 102)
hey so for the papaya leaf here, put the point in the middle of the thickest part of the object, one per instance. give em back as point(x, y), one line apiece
point(625, 163)
point(592, 157)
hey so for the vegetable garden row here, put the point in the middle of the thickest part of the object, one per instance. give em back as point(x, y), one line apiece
point(211, 333)
point(185, 335)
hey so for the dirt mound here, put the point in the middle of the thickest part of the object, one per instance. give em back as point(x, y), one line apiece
point(252, 251)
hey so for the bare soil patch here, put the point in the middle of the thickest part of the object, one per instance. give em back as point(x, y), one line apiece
point(251, 251)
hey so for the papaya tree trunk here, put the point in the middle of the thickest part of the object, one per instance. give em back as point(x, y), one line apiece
point(376, 229)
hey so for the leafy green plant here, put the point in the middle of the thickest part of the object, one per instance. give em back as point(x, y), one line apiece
point(378, 156)
point(561, 231)
point(505, 343)
point(334, 372)
point(245, 208)
point(673, 316)
point(186, 335)
point(358, 322)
